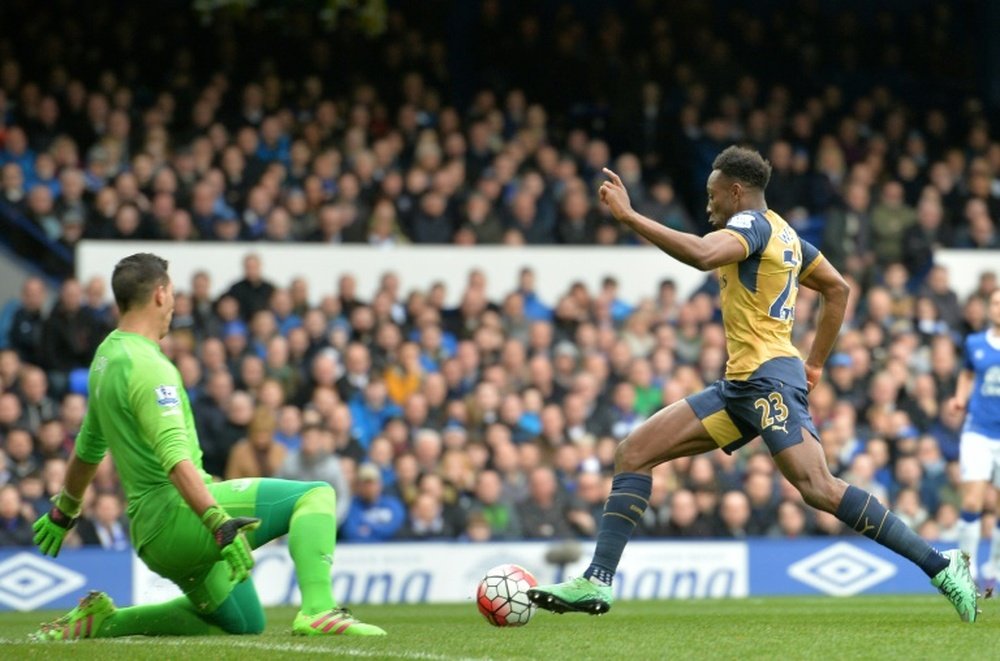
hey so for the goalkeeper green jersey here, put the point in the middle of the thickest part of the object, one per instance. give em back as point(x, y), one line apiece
point(139, 410)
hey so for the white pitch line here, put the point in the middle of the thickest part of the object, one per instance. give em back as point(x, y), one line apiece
point(264, 646)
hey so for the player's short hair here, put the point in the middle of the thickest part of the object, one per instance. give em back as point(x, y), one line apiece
point(135, 277)
point(744, 165)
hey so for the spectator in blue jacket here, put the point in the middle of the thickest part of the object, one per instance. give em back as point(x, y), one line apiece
point(370, 410)
point(373, 516)
point(16, 150)
point(534, 308)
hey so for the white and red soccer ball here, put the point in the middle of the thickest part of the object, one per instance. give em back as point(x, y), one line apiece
point(502, 596)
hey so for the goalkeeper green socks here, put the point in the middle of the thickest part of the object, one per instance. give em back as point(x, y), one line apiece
point(176, 617)
point(311, 538)
point(312, 534)
point(240, 613)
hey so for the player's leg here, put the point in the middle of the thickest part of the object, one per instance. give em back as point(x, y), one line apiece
point(991, 501)
point(302, 510)
point(672, 432)
point(306, 512)
point(97, 617)
point(804, 465)
point(675, 431)
point(976, 460)
point(780, 413)
point(212, 603)
point(186, 554)
point(970, 525)
point(214, 606)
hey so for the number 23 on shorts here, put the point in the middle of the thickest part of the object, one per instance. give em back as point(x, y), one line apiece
point(773, 411)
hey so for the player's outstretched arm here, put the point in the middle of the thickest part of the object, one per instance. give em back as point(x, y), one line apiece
point(963, 390)
point(833, 289)
point(51, 528)
point(703, 253)
point(229, 533)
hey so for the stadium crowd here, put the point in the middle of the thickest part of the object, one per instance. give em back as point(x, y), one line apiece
point(496, 419)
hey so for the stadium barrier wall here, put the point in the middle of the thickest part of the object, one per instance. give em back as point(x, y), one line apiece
point(965, 267)
point(435, 572)
point(638, 270)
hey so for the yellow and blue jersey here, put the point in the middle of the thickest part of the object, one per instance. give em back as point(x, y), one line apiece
point(758, 293)
point(764, 392)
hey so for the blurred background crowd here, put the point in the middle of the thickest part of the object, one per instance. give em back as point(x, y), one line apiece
point(389, 123)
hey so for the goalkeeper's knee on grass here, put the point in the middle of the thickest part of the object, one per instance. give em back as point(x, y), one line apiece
point(241, 612)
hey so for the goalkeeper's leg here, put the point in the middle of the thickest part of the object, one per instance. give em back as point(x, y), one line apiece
point(305, 511)
point(213, 604)
point(186, 554)
point(238, 613)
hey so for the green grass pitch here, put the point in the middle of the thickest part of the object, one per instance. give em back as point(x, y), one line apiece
point(921, 627)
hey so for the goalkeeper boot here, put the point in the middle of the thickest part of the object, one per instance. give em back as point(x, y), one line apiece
point(578, 595)
point(955, 582)
point(84, 621)
point(334, 622)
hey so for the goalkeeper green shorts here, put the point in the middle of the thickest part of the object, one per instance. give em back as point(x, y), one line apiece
point(185, 552)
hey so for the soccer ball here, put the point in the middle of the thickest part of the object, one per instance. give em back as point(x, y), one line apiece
point(502, 596)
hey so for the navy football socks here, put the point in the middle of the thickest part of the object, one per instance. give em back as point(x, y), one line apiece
point(862, 511)
point(622, 511)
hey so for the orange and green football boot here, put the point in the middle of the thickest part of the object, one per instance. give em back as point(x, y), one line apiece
point(334, 622)
point(84, 621)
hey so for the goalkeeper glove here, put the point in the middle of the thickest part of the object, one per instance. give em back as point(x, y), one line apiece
point(229, 534)
point(50, 529)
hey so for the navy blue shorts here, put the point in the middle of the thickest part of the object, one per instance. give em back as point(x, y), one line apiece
point(736, 412)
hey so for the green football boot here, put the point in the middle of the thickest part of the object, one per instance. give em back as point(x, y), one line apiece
point(955, 582)
point(578, 595)
point(334, 622)
point(84, 621)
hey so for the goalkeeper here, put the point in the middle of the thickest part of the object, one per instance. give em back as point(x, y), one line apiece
point(186, 528)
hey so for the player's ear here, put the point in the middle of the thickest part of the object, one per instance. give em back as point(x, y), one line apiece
point(737, 190)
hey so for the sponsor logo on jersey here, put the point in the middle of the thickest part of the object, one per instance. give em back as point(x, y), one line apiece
point(741, 221)
point(166, 396)
point(991, 382)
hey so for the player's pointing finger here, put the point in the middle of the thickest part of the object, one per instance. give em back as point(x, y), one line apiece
point(614, 177)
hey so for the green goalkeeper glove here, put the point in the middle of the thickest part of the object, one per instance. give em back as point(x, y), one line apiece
point(230, 535)
point(50, 529)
